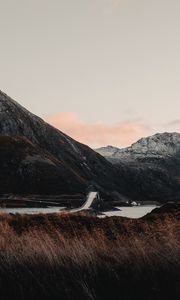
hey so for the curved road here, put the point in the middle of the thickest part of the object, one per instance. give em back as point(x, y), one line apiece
point(87, 205)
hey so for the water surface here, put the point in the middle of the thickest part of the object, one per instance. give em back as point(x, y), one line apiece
point(130, 212)
point(32, 210)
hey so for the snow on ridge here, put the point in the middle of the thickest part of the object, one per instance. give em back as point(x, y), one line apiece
point(160, 144)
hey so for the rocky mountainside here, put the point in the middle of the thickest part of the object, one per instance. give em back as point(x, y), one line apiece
point(160, 144)
point(156, 146)
point(77, 165)
point(108, 151)
point(151, 166)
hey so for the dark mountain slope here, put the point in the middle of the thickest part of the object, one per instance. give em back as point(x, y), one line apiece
point(76, 158)
point(27, 168)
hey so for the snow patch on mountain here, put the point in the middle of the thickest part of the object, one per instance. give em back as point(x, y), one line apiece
point(107, 151)
point(158, 145)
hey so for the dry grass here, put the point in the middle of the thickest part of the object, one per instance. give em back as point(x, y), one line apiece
point(81, 257)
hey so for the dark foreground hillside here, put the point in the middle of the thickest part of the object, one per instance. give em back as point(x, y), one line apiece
point(26, 167)
point(82, 257)
point(50, 157)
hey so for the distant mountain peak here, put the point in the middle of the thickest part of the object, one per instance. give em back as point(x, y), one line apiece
point(107, 151)
point(164, 137)
point(167, 143)
point(151, 166)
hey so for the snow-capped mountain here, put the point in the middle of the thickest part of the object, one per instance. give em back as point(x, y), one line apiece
point(151, 166)
point(107, 151)
point(159, 145)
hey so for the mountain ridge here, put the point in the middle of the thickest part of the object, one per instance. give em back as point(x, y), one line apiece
point(78, 159)
point(151, 166)
point(159, 144)
point(135, 173)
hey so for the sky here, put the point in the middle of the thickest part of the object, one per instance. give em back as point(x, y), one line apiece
point(106, 72)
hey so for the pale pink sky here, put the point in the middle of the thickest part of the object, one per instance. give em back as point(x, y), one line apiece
point(99, 133)
point(109, 67)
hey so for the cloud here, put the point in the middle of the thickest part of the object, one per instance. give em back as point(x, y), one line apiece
point(98, 134)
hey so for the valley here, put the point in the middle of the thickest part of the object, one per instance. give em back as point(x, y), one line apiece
point(83, 224)
point(37, 159)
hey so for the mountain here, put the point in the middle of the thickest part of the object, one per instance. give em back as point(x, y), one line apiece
point(36, 158)
point(26, 168)
point(108, 151)
point(151, 166)
point(77, 165)
point(156, 146)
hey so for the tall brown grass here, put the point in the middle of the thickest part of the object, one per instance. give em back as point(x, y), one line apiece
point(81, 257)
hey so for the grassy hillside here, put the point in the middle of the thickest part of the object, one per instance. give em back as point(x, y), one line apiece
point(83, 257)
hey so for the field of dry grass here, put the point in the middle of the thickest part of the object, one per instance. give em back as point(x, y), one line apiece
point(74, 257)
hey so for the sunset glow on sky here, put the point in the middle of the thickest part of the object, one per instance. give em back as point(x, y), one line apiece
point(105, 72)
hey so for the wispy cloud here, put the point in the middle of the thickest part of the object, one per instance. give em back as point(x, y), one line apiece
point(99, 133)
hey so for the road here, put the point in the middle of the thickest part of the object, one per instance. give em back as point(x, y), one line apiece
point(90, 198)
